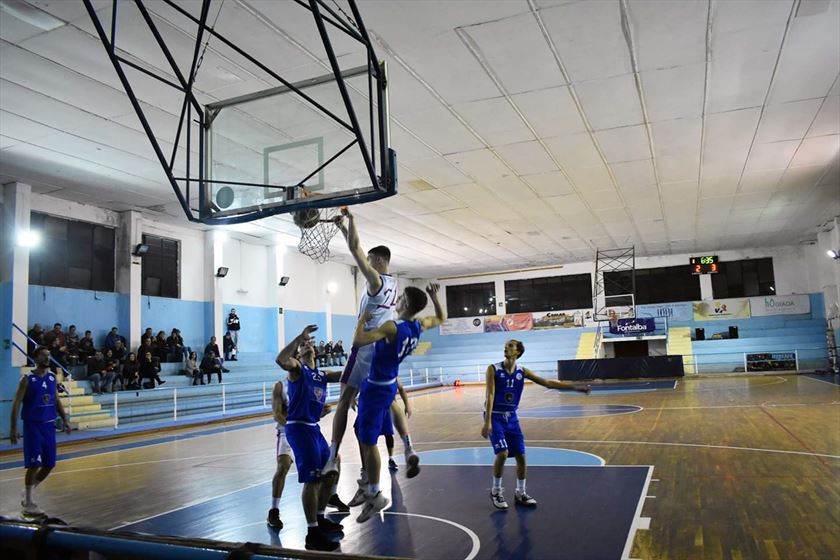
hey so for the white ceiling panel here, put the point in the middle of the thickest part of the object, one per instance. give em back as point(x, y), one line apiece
point(751, 201)
point(761, 180)
point(506, 43)
point(527, 158)
point(435, 200)
point(441, 130)
point(788, 121)
point(407, 94)
point(589, 38)
point(668, 34)
point(590, 178)
point(628, 143)
point(408, 147)
point(817, 150)
point(607, 198)
point(677, 138)
point(632, 174)
point(801, 176)
point(828, 118)
point(548, 184)
point(481, 165)
point(674, 93)
point(719, 186)
point(574, 149)
point(775, 155)
point(676, 169)
point(567, 205)
point(438, 172)
point(510, 189)
point(495, 120)
point(550, 111)
point(610, 102)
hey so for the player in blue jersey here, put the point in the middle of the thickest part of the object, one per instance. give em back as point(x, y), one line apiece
point(505, 381)
point(37, 400)
point(307, 393)
point(393, 341)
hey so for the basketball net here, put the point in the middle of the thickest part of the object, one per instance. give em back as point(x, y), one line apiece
point(315, 237)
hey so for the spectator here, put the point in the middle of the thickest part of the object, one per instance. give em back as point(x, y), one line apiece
point(210, 364)
point(176, 345)
point(119, 353)
point(191, 369)
point(214, 348)
point(131, 372)
point(113, 337)
point(86, 347)
point(150, 371)
point(328, 354)
point(56, 333)
point(320, 353)
point(109, 372)
point(338, 354)
point(161, 347)
point(95, 365)
point(36, 333)
point(72, 338)
point(147, 334)
point(59, 354)
point(145, 347)
point(229, 347)
point(233, 327)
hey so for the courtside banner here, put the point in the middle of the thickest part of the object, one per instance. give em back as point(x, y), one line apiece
point(562, 319)
point(799, 304)
point(633, 326)
point(733, 308)
point(512, 322)
point(462, 325)
point(673, 311)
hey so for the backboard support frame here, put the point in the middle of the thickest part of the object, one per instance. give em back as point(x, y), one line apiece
point(383, 176)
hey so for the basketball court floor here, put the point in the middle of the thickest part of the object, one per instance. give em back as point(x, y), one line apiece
point(737, 467)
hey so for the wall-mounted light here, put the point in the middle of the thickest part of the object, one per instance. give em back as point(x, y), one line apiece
point(283, 280)
point(28, 238)
point(140, 250)
point(833, 254)
point(222, 272)
point(332, 287)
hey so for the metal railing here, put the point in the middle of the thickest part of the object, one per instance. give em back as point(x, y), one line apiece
point(30, 361)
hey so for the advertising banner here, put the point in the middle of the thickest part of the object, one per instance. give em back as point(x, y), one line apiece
point(798, 304)
point(462, 325)
point(673, 311)
point(734, 308)
point(512, 322)
point(633, 326)
point(562, 319)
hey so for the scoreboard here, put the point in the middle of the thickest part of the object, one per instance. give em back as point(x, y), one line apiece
point(704, 265)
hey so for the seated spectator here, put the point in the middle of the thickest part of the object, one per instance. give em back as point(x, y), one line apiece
point(36, 333)
point(229, 346)
point(58, 354)
point(338, 354)
point(214, 348)
point(210, 364)
point(150, 371)
point(175, 342)
point(95, 365)
point(145, 346)
point(72, 338)
point(119, 353)
point(328, 357)
point(161, 347)
point(131, 372)
point(147, 334)
point(56, 333)
point(109, 372)
point(86, 347)
point(191, 369)
point(113, 337)
point(320, 354)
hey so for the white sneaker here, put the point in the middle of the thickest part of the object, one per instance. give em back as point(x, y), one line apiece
point(330, 467)
point(413, 462)
point(497, 496)
point(373, 505)
point(524, 499)
point(359, 497)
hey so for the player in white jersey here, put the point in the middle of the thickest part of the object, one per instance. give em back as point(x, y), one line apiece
point(379, 300)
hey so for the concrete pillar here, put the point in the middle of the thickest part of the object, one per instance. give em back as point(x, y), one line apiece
point(706, 286)
point(501, 309)
point(129, 276)
point(213, 251)
point(276, 255)
point(14, 273)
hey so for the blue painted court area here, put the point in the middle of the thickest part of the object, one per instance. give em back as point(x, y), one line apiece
point(829, 378)
point(584, 512)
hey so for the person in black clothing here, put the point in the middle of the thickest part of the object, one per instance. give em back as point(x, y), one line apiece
point(229, 347)
point(161, 347)
point(210, 364)
point(95, 365)
point(119, 354)
point(338, 354)
point(131, 372)
point(36, 333)
point(147, 334)
point(86, 347)
point(214, 348)
point(233, 326)
point(328, 354)
point(56, 333)
point(72, 339)
point(109, 372)
point(150, 371)
point(59, 354)
point(176, 345)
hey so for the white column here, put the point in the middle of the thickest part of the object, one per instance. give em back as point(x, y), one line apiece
point(706, 286)
point(276, 254)
point(328, 312)
point(130, 271)
point(213, 253)
point(501, 309)
point(15, 267)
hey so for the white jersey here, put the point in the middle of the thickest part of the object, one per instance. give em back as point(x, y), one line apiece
point(382, 304)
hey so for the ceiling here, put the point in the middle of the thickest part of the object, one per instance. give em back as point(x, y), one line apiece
point(528, 132)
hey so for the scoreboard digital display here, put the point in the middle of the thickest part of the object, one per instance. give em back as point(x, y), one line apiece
point(704, 265)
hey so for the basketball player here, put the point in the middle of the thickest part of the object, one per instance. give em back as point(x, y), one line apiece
point(307, 393)
point(38, 395)
point(379, 301)
point(392, 342)
point(505, 381)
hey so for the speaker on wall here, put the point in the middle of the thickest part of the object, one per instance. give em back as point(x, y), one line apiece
point(699, 334)
point(733, 331)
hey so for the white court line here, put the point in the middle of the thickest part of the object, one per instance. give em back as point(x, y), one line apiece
point(530, 463)
point(637, 517)
point(821, 381)
point(734, 448)
point(476, 542)
point(774, 405)
point(478, 413)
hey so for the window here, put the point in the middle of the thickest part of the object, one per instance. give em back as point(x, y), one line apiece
point(73, 254)
point(753, 277)
point(551, 293)
point(469, 300)
point(161, 267)
point(655, 285)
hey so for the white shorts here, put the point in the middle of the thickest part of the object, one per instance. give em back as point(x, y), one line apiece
point(283, 447)
point(358, 366)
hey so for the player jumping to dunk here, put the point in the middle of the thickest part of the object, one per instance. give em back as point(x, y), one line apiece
point(505, 381)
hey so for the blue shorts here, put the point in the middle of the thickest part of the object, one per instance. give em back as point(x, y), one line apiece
point(310, 448)
point(506, 435)
point(39, 444)
point(375, 410)
point(387, 426)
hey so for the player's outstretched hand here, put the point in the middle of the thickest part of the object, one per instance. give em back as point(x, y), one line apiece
point(67, 428)
point(432, 289)
point(345, 211)
point(408, 411)
point(308, 329)
point(14, 436)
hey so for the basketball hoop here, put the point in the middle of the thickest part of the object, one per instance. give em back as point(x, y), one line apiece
point(317, 228)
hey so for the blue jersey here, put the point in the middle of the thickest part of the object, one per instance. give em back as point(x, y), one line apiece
point(387, 356)
point(508, 388)
point(39, 400)
point(307, 396)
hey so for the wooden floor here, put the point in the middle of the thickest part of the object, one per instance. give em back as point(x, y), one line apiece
point(745, 467)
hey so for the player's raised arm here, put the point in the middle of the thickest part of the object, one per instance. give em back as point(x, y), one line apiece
point(489, 395)
point(351, 234)
point(554, 383)
point(285, 359)
point(362, 337)
point(440, 313)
